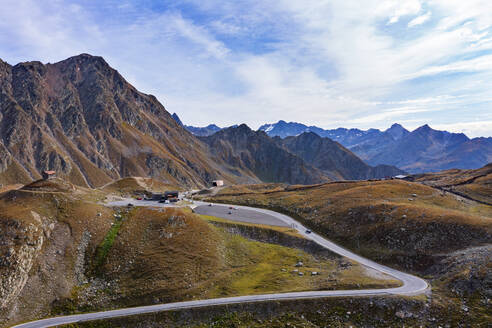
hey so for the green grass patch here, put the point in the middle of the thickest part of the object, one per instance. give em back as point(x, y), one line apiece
point(104, 248)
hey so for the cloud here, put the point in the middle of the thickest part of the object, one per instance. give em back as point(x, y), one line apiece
point(398, 9)
point(328, 63)
point(420, 19)
point(196, 34)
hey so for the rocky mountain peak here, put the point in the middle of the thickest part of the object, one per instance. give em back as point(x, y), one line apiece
point(397, 131)
point(308, 135)
point(177, 119)
point(424, 128)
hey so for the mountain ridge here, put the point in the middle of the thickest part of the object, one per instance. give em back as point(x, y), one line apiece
point(333, 159)
point(256, 154)
point(420, 150)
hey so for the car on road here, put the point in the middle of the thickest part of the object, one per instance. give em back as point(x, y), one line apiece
point(209, 204)
point(130, 205)
point(308, 231)
point(229, 212)
point(139, 198)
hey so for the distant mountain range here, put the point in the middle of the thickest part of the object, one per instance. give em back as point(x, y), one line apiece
point(418, 151)
point(330, 158)
point(203, 131)
point(198, 131)
point(421, 150)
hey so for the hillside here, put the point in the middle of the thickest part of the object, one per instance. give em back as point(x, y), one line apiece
point(81, 118)
point(472, 184)
point(421, 150)
point(333, 159)
point(63, 252)
point(255, 154)
point(416, 228)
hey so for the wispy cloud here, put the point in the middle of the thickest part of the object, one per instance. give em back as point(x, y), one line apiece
point(419, 20)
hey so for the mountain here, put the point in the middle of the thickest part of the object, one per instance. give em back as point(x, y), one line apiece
point(253, 153)
point(347, 137)
point(203, 131)
point(177, 119)
point(426, 149)
point(82, 119)
point(333, 159)
point(198, 131)
point(421, 150)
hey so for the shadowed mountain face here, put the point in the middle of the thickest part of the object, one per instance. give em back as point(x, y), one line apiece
point(423, 149)
point(253, 153)
point(333, 159)
point(81, 118)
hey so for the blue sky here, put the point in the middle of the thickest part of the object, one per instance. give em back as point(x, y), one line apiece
point(329, 63)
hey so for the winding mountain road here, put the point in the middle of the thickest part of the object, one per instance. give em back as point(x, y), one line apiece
point(412, 285)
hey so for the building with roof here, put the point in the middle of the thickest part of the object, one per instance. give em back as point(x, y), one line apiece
point(48, 175)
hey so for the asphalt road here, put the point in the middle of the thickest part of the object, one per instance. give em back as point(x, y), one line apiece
point(412, 285)
point(240, 214)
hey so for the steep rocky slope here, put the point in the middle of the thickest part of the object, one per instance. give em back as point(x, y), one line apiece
point(253, 153)
point(81, 118)
point(333, 159)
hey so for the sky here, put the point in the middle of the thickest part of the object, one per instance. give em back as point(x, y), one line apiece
point(330, 63)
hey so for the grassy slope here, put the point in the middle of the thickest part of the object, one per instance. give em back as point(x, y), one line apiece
point(149, 256)
point(475, 184)
point(382, 219)
point(434, 234)
point(171, 255)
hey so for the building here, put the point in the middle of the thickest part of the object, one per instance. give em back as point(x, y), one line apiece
point(169, 195)
point(156, 196)
point(404, 177)
point(218, 183)
point(48, 175)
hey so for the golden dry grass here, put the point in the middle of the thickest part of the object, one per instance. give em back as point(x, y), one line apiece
point(382, 219)
point(133, 185)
